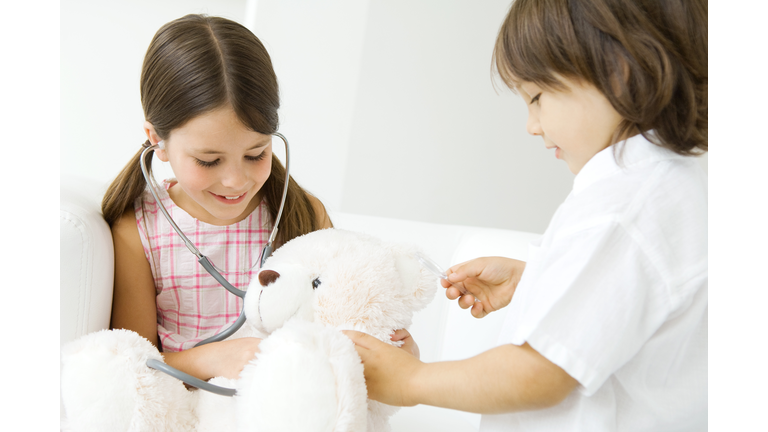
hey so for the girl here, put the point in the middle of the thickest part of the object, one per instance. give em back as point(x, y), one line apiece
point(210, 100)
point(607, 327)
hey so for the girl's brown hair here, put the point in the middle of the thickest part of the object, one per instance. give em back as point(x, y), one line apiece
point(648, 57)
point(196, 64)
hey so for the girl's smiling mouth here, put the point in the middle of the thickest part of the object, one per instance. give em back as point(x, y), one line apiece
point(229, 199)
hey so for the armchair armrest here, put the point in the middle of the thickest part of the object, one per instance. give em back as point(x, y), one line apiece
point(87, 260)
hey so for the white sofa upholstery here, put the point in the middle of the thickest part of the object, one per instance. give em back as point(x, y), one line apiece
point(442, 330)
point(87, 259)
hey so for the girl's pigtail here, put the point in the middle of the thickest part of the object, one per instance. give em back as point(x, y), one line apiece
point(299, 216)
point(124, 190)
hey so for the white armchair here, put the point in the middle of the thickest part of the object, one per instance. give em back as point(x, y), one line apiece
point(443, 331)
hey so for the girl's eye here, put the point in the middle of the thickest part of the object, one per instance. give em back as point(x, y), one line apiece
point(256, 158)
point(206, 164)
point(535, 98)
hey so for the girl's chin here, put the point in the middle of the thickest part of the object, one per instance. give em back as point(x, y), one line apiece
point(225, 215)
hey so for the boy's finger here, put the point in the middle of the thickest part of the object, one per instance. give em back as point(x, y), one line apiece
point(467, 301)
point(452, 293)
point(465, 270)
point(478, 311)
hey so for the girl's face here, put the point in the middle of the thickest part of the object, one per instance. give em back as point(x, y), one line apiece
point(578, 123)
point(220, 166)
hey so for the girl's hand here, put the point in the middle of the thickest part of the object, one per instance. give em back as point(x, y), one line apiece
point(388, 369)
point(409, 345)
point(228, 357)
point(491, 280)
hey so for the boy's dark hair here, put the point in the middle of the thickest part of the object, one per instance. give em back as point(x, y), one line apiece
point(196, 64)
point(648, 57)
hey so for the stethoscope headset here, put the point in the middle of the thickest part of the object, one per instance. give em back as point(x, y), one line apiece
point(266, 252)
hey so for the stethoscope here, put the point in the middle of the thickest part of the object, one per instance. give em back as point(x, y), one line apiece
point(266, 252)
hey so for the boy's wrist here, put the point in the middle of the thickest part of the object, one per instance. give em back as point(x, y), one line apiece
point(416, 385)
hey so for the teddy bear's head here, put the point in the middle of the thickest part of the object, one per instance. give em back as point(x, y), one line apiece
point(343, 279)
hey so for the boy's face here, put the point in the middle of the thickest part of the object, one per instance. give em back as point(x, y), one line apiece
point(578, 122)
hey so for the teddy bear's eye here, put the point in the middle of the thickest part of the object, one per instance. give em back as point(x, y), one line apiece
point(316, 283)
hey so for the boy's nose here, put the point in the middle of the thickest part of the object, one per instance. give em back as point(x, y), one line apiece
point(532, 125)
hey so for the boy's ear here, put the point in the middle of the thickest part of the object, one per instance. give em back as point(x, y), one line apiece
point(620, 79)
point(154, 138)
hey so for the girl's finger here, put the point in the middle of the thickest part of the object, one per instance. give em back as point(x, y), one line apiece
point(399, 335)
point(361, 339)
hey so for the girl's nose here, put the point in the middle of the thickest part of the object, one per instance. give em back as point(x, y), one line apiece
point(234, 178)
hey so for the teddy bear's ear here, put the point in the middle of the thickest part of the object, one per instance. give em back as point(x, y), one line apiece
point(416, 279)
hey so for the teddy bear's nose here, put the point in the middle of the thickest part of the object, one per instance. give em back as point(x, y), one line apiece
point(266, 277)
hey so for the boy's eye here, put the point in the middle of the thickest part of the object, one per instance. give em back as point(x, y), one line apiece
point(535, 98)
point(207, 164)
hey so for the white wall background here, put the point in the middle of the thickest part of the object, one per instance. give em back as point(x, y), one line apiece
point(389, 105)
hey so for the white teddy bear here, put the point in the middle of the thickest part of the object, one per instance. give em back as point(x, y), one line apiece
point(307, 375)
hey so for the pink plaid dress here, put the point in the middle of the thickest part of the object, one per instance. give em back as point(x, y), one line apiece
point(191, 305)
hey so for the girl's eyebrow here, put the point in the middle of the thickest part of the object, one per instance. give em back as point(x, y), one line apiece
point(211, 151)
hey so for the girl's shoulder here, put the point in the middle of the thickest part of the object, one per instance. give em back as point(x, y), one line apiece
point(147, 198)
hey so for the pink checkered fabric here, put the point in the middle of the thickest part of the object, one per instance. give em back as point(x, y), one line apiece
point(191, 305)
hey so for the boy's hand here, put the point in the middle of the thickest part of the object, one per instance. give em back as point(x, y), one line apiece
point(388, 369)
point(491, 280)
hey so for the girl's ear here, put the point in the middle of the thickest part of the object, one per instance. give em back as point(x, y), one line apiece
point(155, 139)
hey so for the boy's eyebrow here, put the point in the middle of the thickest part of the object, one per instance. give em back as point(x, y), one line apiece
point(520, 89)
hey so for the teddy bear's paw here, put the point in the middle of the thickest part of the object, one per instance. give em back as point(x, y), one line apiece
point(291, 389)
point(307, 377)
point(215, 412)
point(379, 415)
point(106, 385)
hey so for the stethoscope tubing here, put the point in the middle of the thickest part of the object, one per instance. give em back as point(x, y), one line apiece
point(211, 269)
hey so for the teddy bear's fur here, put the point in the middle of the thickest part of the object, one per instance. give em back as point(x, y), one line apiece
point(307, 375)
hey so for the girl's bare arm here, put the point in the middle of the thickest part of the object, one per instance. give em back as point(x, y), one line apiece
point(133, 301)
point(134, 308)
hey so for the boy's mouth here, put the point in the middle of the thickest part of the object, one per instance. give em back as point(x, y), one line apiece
point(557, 150)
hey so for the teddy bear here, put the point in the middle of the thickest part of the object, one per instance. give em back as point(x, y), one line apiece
point(307, 375)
